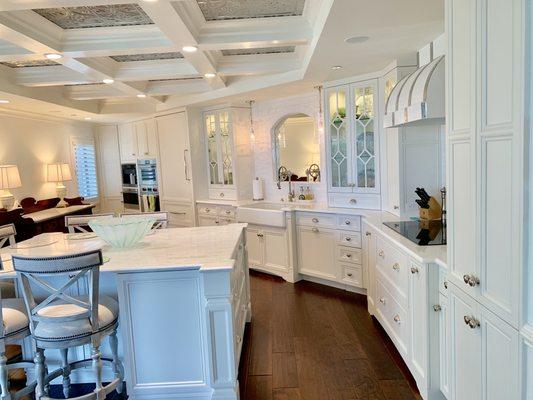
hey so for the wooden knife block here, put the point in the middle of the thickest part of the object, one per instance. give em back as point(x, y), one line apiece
point(433, 212)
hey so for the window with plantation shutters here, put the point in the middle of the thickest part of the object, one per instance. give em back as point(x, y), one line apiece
point(85, 164)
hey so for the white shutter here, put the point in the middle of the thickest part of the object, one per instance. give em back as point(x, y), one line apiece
point(85, 164)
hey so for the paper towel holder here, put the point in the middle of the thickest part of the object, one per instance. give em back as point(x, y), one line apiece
point(257, 189)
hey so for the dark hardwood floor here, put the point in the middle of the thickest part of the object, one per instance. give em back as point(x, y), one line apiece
point(308, 341)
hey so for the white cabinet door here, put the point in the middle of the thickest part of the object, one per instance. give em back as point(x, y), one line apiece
point(128, 143)
point(174, 157)
point(142, 139)
point(109, 162)
point(465, 346)
point(444, 346)
point(254, 244)
point(317, 252)
point(418, 309)
point(151, 137)
point(369, 266)
point(275, 249)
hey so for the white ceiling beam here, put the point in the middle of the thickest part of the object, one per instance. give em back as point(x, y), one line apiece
point(155, 69)
point(173, 26)
point(92, 92)
point(48, 76)
point(267, 32)
point(177, 87)
point(258, 64)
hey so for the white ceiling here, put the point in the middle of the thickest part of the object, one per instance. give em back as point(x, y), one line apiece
point(260, 57)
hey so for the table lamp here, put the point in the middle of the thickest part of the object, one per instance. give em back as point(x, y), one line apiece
point(9, 179)
point(59, 173)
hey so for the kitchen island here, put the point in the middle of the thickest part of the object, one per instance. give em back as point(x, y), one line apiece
point(184, 301)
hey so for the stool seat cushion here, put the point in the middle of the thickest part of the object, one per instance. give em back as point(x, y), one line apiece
point(15, 317)
point(49, 330)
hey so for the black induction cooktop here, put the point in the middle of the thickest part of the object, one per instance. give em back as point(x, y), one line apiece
point(423, 233)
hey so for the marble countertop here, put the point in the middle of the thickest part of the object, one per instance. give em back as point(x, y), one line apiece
point(231, 203)
point(51, 213)
point(203, 248)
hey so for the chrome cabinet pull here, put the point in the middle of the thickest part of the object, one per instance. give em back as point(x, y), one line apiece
point(353, 201)
point(228, 211)
point(348, 239)
point(348, 255)
point(471, 280)
point(437, 308)
point(177, 213)
point(397, 319)
point(396, 207)
point(396, 267)
point(472, 322)
point(221, 194)
point(315, 230)
point(186, 164)
point(382, 300)
point(315, 220)
point(207, 210)
point(349, 274)
point(260, 235)
point(445, 284)
point(414, 270)
point(347, 222)
point(368, 233)
point(381, 254)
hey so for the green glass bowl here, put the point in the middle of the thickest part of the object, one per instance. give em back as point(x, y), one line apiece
point(122, 232)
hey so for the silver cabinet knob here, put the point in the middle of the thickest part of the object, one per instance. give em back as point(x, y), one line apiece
point(445, 284)
point(471, 280)
point(348, 239)
point(349, 274)
point(315, 230)
point(414, 270)
point(348, 255)
point(396, 207)
point(381, 253)
point(466, 278)
point(347, 222)
point(207, 210)
point(437, 308)
point(382, 300)
point(396, 267)
point(397, 319)
point(353, 201)
point(221, 194)
point(260, 235)
point(228, 212)
point(472, 322)
point(368, 233)
point(315, 220)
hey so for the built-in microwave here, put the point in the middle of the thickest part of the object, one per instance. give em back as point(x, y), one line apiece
point(129, 175)
point(147, 173)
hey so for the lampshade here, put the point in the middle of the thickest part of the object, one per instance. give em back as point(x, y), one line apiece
point(58, 172)
point(9, 177)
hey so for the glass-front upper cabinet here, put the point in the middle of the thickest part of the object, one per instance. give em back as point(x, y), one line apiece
point(219, 147)
point(351, 123)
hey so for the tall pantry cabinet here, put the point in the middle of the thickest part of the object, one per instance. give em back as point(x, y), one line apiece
point(485, 161)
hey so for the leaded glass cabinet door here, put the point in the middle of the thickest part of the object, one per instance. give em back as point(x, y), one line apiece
point(219, 143)
point(337, 120)
point(212, 144)
point(365, 137)
point(226, 147)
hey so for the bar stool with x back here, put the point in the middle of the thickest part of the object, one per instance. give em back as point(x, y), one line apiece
point(62, 321)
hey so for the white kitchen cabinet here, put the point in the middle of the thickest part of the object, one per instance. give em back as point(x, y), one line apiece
point(442, 307)
point(485, 352)
point(268, 249)
point(229, 153)
point(317, 252)
point(213, 215)
point(109, 176)
point(352, 138)
point(128, 143)
point(146, 135)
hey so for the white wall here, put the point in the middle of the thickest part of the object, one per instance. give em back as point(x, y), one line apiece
point(266, 115)
point(31, 143)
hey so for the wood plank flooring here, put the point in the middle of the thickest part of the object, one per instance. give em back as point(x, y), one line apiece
point(308, 341)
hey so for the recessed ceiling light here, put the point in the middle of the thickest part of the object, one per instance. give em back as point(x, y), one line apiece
point(4, 101)
point(87, 118)
point(336, 67)
point(53, 56)
point(141, 95)
point(210, 75)
point(189, 49)
point(357, 39)
point(108, 81)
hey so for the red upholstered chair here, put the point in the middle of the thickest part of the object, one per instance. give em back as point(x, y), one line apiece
point(75, 201)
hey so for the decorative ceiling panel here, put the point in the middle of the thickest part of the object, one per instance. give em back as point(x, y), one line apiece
point(214, 10)
point(265, 50)
point(29, 63)
point(96, 16)
point(148, 57)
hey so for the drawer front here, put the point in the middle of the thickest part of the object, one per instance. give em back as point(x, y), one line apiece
point(352, 275)
point(349, 255)
point(222, 194)
point(393, 316)
point(350, 239)
point(355, 200)
point(349, 222)
point(226, 211)
point(394, 266)
point(179, 214)
point(316, 219)
point(207, 209)
point(225, 221)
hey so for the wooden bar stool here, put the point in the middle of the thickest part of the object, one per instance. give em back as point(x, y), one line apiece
point(62, 321)
point(15, 327)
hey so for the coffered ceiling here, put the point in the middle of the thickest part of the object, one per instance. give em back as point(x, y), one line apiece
point(138, 45)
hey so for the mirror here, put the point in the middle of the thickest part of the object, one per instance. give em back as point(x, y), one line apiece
point(296, 148)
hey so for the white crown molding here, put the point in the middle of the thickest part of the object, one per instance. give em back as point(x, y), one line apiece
point(42, 117)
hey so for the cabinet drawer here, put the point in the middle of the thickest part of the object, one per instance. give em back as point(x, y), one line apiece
point(178, 214)
point(316, 219)
point(222, 194)
point(394, 317)
point(349, 239)
point(349, 222)
point(394, 265)
point(225, 221)
point(352, 275)
point(226, 212)
point(349, 255)
point(355, 200)
point(207, 209)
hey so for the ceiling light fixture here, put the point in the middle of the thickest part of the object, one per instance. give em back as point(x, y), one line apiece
point(141, 96)
point(189, 49)
point(336, 67)
point(108, 81)
point(4, 101)
point(357, 39)
point(210, 75)
point(53, 56)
